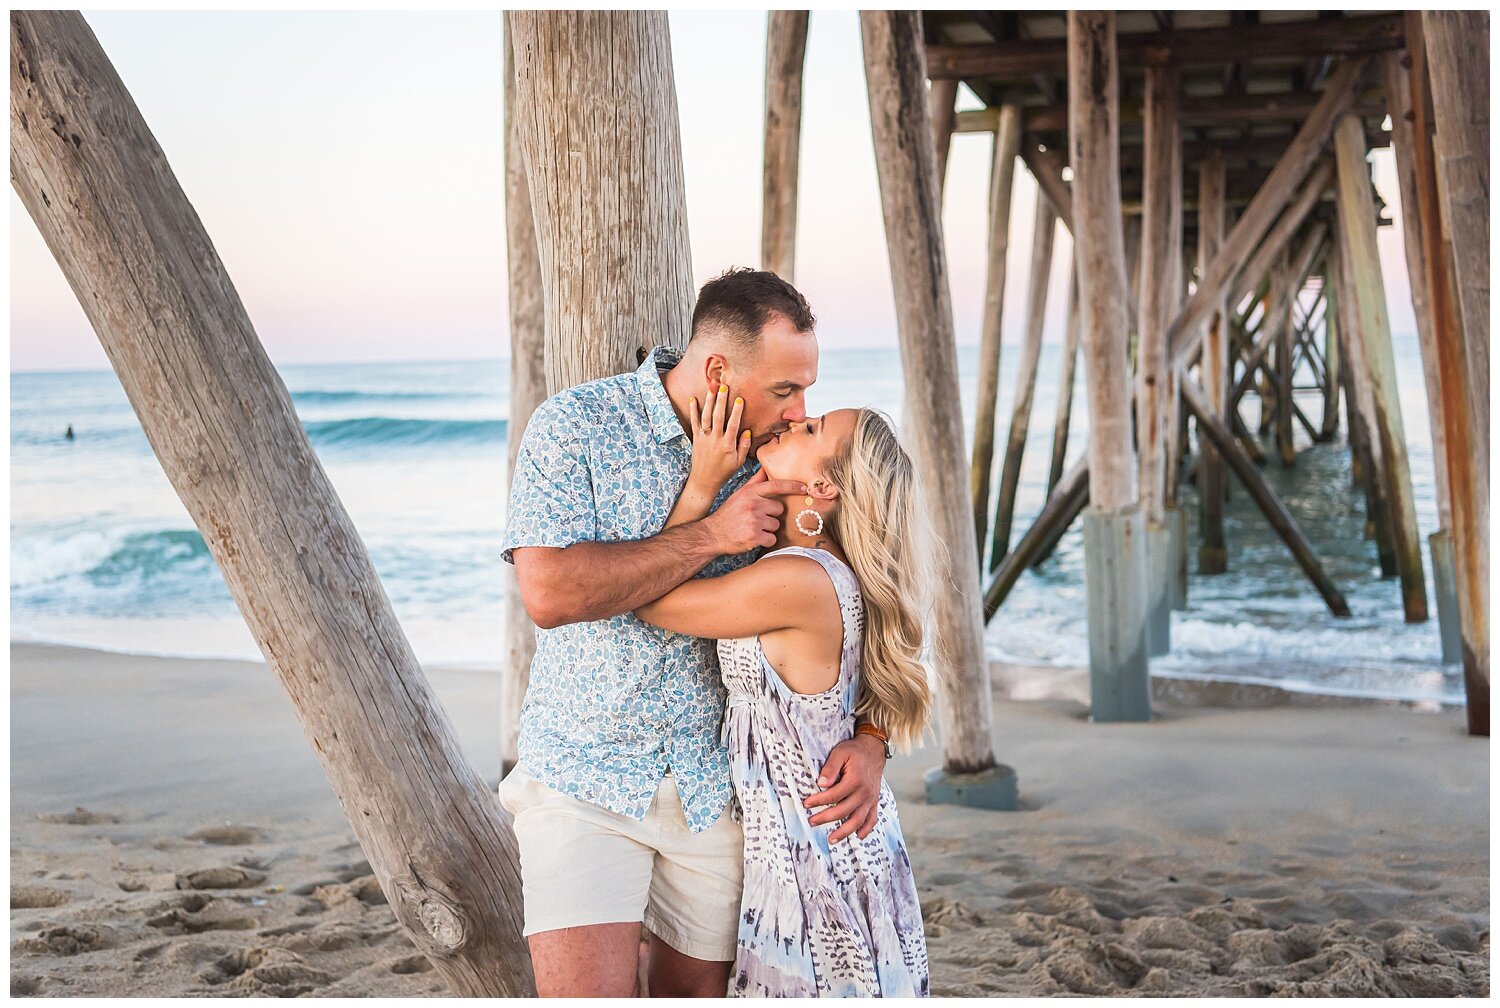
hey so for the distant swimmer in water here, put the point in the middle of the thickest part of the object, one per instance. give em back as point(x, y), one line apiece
point(69, 435)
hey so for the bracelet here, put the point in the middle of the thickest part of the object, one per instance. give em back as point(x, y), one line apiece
point(869, 729)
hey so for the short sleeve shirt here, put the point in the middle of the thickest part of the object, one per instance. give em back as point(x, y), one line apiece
point(613, 704)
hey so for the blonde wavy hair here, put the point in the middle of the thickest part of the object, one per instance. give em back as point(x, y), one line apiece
point(877, 525)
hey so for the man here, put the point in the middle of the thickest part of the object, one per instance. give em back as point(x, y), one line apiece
point(622, 795)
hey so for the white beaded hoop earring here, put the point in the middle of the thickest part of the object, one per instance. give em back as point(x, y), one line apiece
point(815, 514)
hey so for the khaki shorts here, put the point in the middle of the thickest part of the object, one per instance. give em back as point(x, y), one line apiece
point(582, 864)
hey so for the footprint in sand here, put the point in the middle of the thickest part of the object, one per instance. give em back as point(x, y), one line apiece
point(65, 940)
point(266, 971)
point(194, 913)
point(363, 889)
point(1169, 933)
point(32, 897)
point(227, 877)
point(941, 910)
point(330, 936)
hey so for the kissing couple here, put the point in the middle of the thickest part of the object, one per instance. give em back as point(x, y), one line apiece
point(729, 598)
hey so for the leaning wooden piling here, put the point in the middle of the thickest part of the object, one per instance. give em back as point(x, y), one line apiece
point(1328, 427)
point(1002, 179)
point(1363, 431)
point(1067, 366)
point(1367, 300)
point(220, 421)
point(1044, 223)
point(1285, 340)
point(944, 98)
point(1066, 501)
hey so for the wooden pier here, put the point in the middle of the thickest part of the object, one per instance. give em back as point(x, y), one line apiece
point(1242, 137)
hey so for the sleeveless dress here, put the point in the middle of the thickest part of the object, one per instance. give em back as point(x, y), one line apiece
point(815, 920)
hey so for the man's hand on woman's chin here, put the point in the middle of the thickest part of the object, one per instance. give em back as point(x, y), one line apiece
point(851, 787)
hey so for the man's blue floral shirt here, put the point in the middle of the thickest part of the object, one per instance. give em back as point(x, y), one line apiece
point(613, 704)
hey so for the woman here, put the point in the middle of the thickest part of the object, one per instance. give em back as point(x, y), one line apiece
point(825, 626)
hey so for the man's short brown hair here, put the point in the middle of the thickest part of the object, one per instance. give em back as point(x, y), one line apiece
point(737, 304)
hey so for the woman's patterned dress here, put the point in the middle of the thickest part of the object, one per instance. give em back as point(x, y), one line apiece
point(814, 921)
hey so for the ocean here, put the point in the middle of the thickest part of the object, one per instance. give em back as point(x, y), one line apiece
point(104, 554)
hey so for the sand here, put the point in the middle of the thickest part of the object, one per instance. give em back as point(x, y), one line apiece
point(172, 834)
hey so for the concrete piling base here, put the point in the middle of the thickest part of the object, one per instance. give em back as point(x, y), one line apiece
point(994, 788)
point(1445, 587)
point(1177, 525)
point(1114, 556)
point(1161, 571)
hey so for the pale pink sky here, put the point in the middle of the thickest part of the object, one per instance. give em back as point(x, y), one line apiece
point(348, 167)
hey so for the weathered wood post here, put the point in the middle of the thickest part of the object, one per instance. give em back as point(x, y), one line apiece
point(1362, 431)
point(1044, 224)
point(1047, 167)
point(1328, 428)
point(1213, 554)
point(220, 421)
point(1175, 419)
point(528, 387)
point(1465, 439)
point(1286, 340)
point(1364, 461)
point(1156, 303)
point(1458, 61)
point(1440, 542)
point(1114, 533)
point(786, 51)
point(944, 98)
point(598, 121)
point(1131, 227)
point(1367, 299)
point(901, 124)
point(1002, 178)
point(1067, 364)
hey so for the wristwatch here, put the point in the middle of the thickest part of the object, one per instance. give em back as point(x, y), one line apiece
point(869, 729)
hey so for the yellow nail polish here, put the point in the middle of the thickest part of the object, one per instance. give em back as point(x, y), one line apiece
point(738, 400)
point(723, 389)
